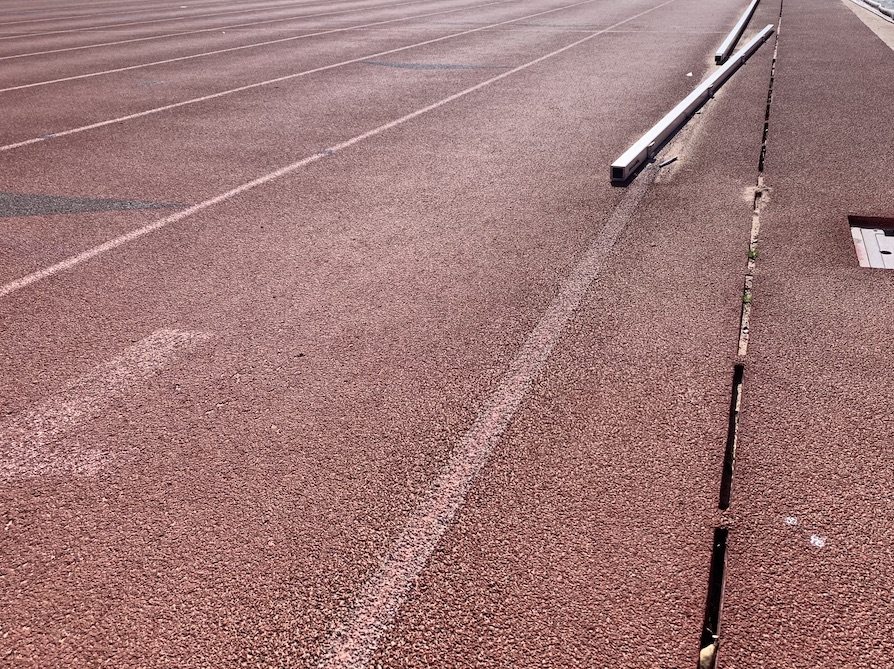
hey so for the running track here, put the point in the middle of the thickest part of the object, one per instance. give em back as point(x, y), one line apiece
point(327, 342)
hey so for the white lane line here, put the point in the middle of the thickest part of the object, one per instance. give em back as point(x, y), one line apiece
point(254, 45)
point(353, 641)
point(117, 25)
point(211, 30)
point(57, 18)
point(42, 441)
point(133, 235)
point(287, 77)
point(136, 23)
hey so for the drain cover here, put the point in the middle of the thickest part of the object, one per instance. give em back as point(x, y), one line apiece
point(873, 240)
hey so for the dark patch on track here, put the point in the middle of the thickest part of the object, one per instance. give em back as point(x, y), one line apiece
point(24, 204)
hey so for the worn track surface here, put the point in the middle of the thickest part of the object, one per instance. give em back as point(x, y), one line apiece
point(811, 550)
point(327, 342)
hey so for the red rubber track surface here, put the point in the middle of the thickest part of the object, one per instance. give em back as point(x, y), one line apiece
point(213, 434)
point(816, 430)
point(98, 16)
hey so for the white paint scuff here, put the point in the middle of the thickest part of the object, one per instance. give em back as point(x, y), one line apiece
point(43, 440)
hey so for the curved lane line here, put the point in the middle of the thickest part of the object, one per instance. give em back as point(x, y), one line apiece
point(287, 77)
point(133, 235)
point(255, 45)
point(133, 23)
point(206, 30)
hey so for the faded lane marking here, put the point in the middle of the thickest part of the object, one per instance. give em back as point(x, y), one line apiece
point(353, 642)
point(268, 82)
point(112, 244)
point(40, 441)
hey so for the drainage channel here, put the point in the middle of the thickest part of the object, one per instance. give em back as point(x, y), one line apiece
point(710, 641)
point(732, 434)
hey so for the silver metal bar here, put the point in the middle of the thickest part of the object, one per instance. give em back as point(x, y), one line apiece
point(628, 162)
point(730, 42)
point(876, 8)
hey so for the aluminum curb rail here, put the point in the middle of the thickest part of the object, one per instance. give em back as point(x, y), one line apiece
point(645, 147)
point(730, 42)
point(876, 8)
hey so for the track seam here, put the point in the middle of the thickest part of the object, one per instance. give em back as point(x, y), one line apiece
point(709, 644)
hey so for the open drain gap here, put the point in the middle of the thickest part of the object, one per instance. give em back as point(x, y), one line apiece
point(760, 162)
point(766, 131)
point(745, 314)
point(759, 201)
point(710, 639)
point(732, 433)
point(709, 642)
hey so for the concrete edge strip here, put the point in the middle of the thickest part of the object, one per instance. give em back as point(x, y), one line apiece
point(875, 8)
point(730, 42)
point(629, 161)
